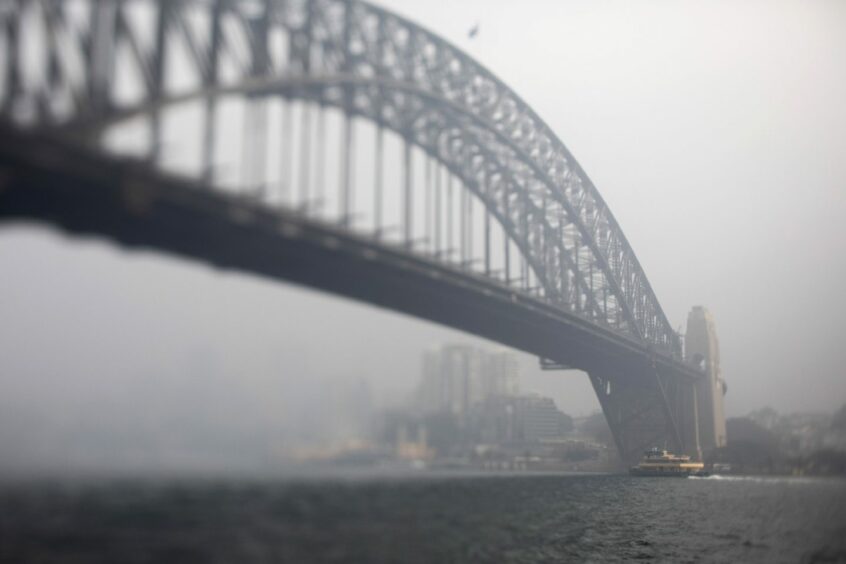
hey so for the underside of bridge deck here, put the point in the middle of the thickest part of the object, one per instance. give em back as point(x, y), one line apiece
point(646, 402)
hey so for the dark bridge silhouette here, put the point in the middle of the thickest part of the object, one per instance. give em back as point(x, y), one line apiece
point(333, 144)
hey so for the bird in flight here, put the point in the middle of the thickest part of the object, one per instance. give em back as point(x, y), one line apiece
point(474, 31)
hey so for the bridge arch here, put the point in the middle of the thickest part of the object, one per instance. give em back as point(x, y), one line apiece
point(369, 63)
point(74, 72)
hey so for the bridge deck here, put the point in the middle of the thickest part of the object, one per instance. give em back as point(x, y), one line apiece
point(86, 192)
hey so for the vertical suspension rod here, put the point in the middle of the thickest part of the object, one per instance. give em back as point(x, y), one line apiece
point(158, 78)
point(286, 161)
point(319, 175)
point(576, 269)
point(427, 195)
point(305, 157)
point(378, 180)
point(507, 243)
point(462, 226)
point(469, 260)
point(347, 150)
point(407, 191)
point(211, 101)
point(449, 211)
point(257, 107)
point(487, 241)
point(524, 264)
point(12, 80)
point(101, 51)
point(437, 242)
point(564, 286)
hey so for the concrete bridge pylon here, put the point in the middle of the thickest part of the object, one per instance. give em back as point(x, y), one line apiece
point(706, 405)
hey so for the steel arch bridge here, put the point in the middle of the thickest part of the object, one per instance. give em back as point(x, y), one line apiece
point(334, 144)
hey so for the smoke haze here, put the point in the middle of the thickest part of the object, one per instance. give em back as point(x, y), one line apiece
point(715, 132)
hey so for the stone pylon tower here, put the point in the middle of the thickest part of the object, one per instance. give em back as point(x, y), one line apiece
point(702, 349)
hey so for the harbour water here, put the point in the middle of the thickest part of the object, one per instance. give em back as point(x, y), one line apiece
point(427, 517)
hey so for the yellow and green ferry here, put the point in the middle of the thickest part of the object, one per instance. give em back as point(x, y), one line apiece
point(657, 462)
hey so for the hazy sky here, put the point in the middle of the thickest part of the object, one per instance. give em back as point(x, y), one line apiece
point(716, 132)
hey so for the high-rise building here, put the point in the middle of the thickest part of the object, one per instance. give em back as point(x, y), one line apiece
point(537, 418)
point(525, 418)
point(457, 377)
point(501, 374)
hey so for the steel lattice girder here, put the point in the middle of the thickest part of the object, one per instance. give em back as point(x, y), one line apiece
point(371, 63)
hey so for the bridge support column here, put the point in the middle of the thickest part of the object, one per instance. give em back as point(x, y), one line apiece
point(702, 348)
point(646, 409)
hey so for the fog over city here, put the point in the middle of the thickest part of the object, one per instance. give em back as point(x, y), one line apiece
point(716, 133)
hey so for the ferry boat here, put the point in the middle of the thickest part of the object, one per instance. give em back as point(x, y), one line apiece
point(658, 462)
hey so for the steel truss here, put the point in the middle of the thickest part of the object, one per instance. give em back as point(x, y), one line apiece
point(373, 65)
point(64, 68)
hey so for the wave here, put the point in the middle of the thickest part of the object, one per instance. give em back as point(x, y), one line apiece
point(764, 479)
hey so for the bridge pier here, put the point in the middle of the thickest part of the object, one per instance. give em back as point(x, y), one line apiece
point(644, 409)
point(702, 349)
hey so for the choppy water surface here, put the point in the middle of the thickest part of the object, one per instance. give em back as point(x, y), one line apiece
point(429, 518)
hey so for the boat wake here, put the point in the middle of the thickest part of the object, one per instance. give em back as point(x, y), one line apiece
point(760, 479)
